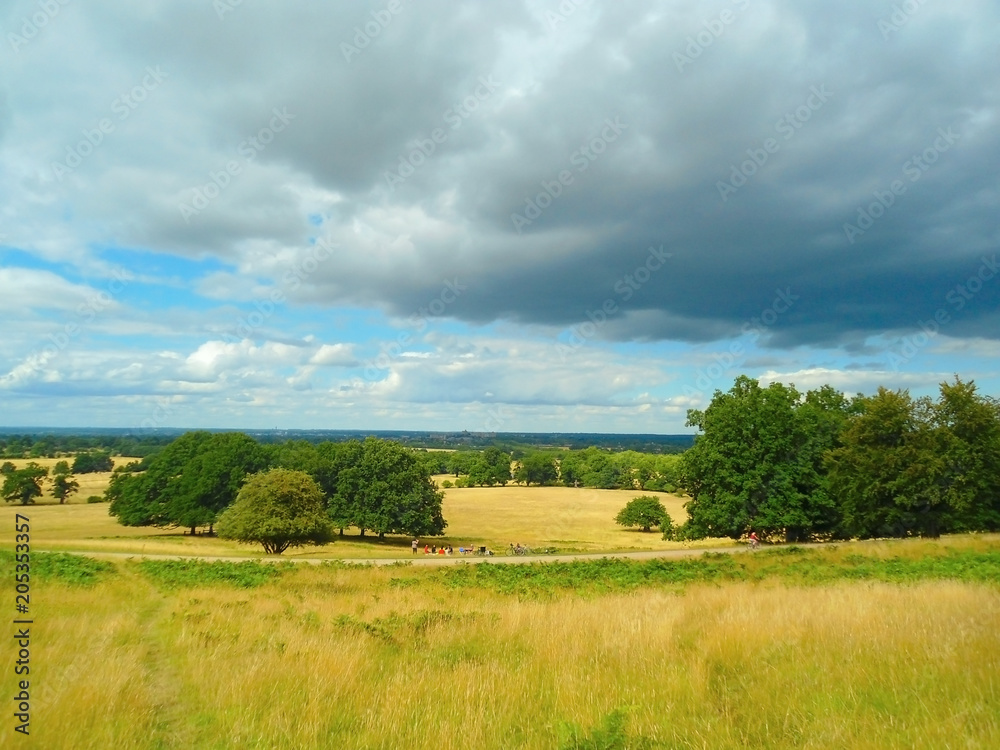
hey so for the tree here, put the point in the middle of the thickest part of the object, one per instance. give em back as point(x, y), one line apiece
point(538, 468)
point(93, 461)
point(277, 509)
point(969, 432)
point(24, 485)
point(387, 491)
point(492, 467)
point(758, 464)
point(888, 473)
point(211, 479)
point(7, 467)
point(63, 483)
point(188, 483)
point(645, 511)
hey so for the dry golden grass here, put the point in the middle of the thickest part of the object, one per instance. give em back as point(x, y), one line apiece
point(342, 658)
point(566, 518)
point(562, 517)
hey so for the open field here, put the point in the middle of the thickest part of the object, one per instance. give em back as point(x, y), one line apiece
point(887, 645)
point(567, 518)
point(90, 484)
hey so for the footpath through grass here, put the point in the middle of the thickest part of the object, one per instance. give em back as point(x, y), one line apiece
point(969, 560)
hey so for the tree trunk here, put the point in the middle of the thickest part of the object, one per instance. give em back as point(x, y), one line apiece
point(194, 530)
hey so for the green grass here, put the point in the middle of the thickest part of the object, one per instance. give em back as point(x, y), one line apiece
point(794, 565)
point(58, 566)
point(175, 574)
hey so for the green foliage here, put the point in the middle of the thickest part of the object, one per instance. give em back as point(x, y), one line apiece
point(758, 464)
point(174, 574)
point(915, 467)
point(491, 468)
point(277, 509)
point(591, 576)
point(610, 734)
point(645, 511)
point(188, 483)
point(92, 462)
point(96, 499)
point(23, 485)
point(386, 490)
point(63, 484)
point(59, 567)
point(537, 468)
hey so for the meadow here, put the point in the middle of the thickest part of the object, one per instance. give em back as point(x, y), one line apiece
point(874, 645)
point(889, 644)
point(565, 518)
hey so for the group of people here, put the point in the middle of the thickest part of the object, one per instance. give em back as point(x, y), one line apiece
point(433, 549)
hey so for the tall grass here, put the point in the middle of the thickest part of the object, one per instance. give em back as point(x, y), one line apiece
point(344, 656)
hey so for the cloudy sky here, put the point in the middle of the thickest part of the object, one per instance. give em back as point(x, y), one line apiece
point(523, 215)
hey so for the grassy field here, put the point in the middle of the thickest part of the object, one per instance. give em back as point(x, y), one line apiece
point(569, 519)
point(884, 645)
point(90, 484)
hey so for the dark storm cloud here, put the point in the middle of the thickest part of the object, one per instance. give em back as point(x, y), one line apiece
point(804, 148)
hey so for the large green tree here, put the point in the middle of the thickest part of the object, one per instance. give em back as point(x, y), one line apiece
point(644, 511)
point(492, 467)
point(24, 485)
point(969, 439)
point(93, 461)
point(388, 491)
point(888, 472)
point(537, 468)
point(188, 483)
point(277, 509)
point(757, 464)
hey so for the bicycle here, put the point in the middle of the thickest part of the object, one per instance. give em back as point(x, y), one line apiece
point(518, 550)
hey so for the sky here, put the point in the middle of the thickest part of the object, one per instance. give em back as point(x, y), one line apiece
point(576, 216)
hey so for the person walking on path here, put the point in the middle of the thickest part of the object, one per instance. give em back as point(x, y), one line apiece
point(414, 544)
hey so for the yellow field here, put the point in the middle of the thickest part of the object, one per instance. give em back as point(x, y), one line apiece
point(566, 518)
point(90, 484)
point(346, 659)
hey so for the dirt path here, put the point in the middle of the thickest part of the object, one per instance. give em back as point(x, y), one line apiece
point(430, 560)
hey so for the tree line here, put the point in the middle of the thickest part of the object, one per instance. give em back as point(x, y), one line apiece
point(821, 465)
point(375, 485)
point(594, 467)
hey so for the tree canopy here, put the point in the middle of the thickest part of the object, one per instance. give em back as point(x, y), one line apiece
point(775, 462)
point(537, 468)
point(386, 490)
point(277, 509)
point(23, 485)
point(757, 464)
point(188, 483)
point(645, 511)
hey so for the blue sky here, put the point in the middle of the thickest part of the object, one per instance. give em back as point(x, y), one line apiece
point(522, 216)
